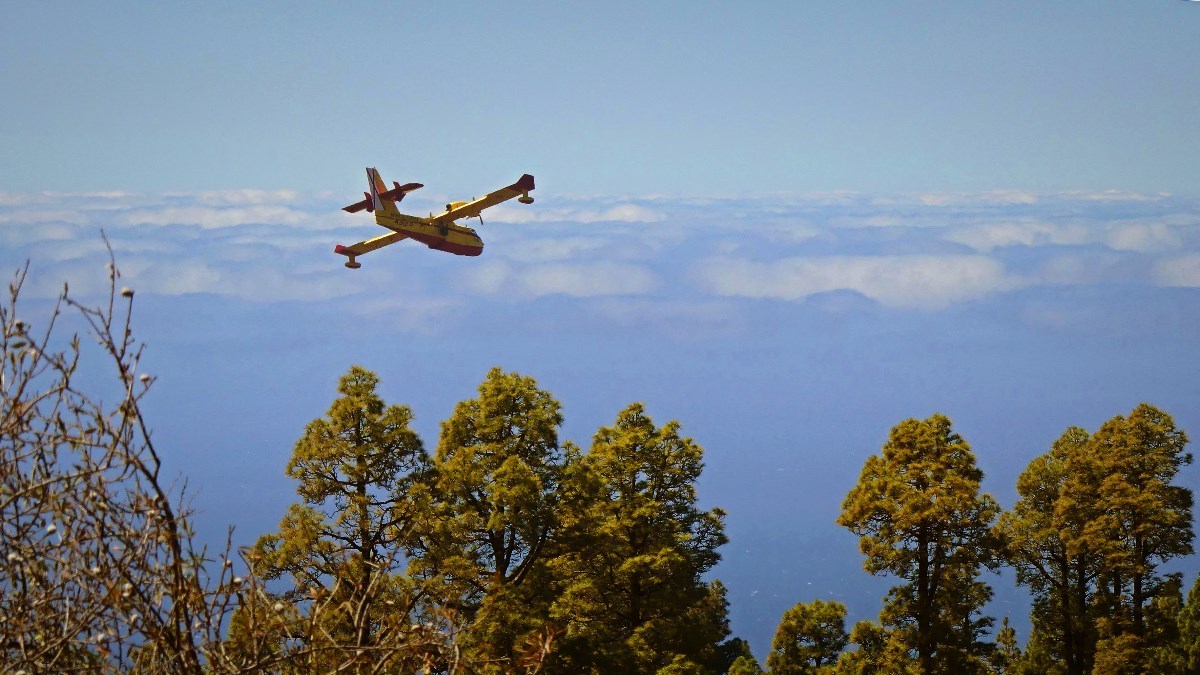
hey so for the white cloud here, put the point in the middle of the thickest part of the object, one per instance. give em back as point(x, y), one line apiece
point(621, 213)
point(246, 197)
point(592, 279)
point(269, 245)
point(248, 282)
point(1179, 271)
point(553, 249)
point(913, 282)
point(588, 279)
point(211, 218)
point(985, 238)
point(418, 313)
point(680, 317)
point(1075, 269)
point(1142, 237)
point(54, 232)
point(1117, 196)
point(992, 198)
point(39, 216)
point(488, 277)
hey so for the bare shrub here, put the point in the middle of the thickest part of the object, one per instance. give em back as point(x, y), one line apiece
point(99, 570)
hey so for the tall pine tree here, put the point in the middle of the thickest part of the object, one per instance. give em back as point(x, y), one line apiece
point(1146, 520)
point(809, 639)
point(1043, 535)
point(498, 474)
point(360, 471)
point(633, 597)
point(920, 516)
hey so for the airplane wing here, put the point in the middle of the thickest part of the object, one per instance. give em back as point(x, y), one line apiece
point(369, 245)
point(520, 188)
point(395, 194)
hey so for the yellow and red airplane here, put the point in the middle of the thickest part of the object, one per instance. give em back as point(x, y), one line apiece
point(438, 232)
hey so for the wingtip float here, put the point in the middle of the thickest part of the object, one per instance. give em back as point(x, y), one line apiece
point(438, 231)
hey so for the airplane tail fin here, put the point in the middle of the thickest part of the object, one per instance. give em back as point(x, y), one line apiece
point(377, 186)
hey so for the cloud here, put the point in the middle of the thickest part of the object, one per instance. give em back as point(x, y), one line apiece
point(554, 249)
point(590, 279)
point(39, 216)
point(985, 238)
point(682, 318)
point(249, 282)
point(1179, 271)
point(993, 198)
point(1142, 237)
point(1117, 196)
point(621, 213)
point(906, 282)
point(212, 218)
point(916, 252)
point(1077, 269)
point(246, 197)
point(407, 313)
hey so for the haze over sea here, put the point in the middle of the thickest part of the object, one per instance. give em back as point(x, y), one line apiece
point(787, 226)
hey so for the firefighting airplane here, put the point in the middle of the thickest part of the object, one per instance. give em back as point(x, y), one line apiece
point(439, 231)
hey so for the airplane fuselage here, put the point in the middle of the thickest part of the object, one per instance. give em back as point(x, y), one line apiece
point(451, 238)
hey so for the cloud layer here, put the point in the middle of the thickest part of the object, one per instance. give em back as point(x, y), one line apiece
point(906, 282)
point(921, 253)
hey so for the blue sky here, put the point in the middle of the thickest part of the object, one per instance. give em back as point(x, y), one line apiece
point(787, 225)
point(607, 98)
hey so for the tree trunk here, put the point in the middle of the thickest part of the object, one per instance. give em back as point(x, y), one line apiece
point(1066, 607)
point(924, 643)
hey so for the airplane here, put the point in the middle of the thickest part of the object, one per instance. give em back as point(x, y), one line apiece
point(438, 232)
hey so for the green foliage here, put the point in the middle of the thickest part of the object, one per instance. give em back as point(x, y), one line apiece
point(745, 665)
point(1097, 515)
point(1188, 622)
point(1045, 541)
point(360, 471)
point(637, 545)
point(1039, 657)
point(809, 638)
point(1166, 653)
point(1120, 652)
point(1146, 519)
point(919, 515)
point(879, 652)
point(732, 650)
point(1007, 657)
point(498, 477)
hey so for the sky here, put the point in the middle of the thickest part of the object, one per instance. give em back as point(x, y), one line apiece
point(788, 226)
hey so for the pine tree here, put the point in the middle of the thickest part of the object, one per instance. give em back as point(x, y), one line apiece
point(920, 516)
point(1045, 542)
point(1146, 519)
point(745, 665)
point(359, 470)
point(1007, 657)
point(809, 639)
point(1189, 630)
point(633, 592)
point(879, 652)
point(498, 473)
point(1167, 655)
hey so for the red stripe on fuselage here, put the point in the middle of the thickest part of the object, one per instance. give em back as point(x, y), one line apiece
point(440, 244)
